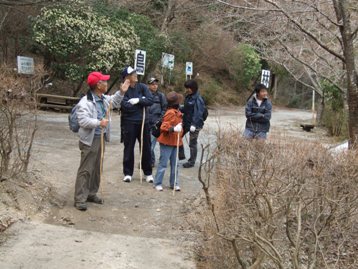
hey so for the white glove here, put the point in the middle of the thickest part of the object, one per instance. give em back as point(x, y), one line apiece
point(178, 128)
point(192, 129)
point(134, 101)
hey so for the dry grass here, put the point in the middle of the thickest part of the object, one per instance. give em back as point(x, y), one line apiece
point(278, 205)
point(18, 119)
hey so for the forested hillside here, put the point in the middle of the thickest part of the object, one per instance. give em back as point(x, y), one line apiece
point(229, 42)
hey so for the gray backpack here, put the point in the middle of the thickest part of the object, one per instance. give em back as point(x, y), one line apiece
point(73, 120)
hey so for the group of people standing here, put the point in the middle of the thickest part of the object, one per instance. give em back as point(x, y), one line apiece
point(141, 108)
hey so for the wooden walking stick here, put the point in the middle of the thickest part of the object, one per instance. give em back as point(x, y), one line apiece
point(102, 150)
point(141, 147)
point(176, 164)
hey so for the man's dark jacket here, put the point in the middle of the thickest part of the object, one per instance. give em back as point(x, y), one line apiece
point(258, 117)
point(193, 110)
point(134, 113)
point(158, 108)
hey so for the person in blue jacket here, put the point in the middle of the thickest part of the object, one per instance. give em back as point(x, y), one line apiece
point(155, 111)
point(137, 96)
point(193, 120)
point(258, 114)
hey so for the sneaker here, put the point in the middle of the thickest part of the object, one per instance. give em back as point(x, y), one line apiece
point(149, 179)
point(188, 165)
point(177, 188)
point(82, 206)
point(95, 199)
point(127, 179)
point(159, 188)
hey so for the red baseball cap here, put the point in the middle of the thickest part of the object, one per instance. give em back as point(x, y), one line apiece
point(94, 77)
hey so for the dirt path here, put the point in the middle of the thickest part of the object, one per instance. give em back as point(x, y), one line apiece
point(137, 227)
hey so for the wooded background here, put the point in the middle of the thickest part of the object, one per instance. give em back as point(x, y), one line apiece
point(308, 46)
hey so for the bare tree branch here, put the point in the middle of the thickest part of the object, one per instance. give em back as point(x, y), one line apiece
point(304, 30)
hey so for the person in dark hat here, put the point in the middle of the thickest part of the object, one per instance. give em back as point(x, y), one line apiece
point(258, 114)
point(170, 131)
point(92, 119)
point(193, 120)
point(136, 99)
point(155, 111)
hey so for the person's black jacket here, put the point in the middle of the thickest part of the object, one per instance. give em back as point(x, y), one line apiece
point(193, 110)
point(258, 117)
point(157, 110)
point(134, 113)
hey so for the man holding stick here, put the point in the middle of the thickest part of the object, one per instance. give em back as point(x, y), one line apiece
point(135, 124)
point(92, 115)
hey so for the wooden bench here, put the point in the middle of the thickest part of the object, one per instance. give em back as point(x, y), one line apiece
point(56, 101)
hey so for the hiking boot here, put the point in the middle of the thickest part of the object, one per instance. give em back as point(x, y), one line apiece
point(82, 206)
point(127, 179)
point(188, 165)
point(94, 199)
point(149, 179)
point(159, 188)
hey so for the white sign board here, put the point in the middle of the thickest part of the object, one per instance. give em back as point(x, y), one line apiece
point(168, 61)
point(25, 65)
point(139, 61)
point(189, 68)
point(265, 77)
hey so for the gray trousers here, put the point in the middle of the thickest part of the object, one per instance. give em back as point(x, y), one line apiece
point(88, 174)
point(193, 145)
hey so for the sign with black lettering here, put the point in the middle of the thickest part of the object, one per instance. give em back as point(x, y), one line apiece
point(139, 61)
point(25, 65)
point(265, 77)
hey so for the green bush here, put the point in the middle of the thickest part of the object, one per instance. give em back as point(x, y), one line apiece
point(150, 38)
point(75, 40)
point(180, 46)
point(332, 95)
point(244, 65)
point(335, 117)
point(336, 122)
point(210, 90)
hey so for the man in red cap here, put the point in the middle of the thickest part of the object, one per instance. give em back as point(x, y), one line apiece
point(92, 119)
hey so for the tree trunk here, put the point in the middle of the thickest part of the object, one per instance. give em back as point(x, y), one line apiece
point(274, 97)
point(343, 17)
point(320, 111)
point(168, 16)
point(79, 86)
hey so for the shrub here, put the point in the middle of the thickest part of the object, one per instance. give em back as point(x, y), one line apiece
point(334, 115)
point(210, 92)
point(75, 40)
point(18, 121)
point(150, 38)
point(278, 205)
point(336, 122)
point(244, 65)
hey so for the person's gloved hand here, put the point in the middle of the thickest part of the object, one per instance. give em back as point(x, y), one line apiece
point(192, 129)
point(178, 128)
point(134, 101)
